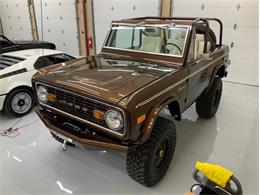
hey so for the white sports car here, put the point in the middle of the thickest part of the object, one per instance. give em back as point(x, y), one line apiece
point(16, 71)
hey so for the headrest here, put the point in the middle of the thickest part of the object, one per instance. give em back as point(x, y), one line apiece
point(152, 32)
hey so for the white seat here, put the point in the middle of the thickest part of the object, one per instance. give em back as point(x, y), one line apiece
point(199, 45)
point(152, 40)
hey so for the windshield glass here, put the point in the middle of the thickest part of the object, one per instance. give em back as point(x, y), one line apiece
point(159, 40)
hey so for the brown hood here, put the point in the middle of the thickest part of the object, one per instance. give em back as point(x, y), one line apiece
point(107, 79)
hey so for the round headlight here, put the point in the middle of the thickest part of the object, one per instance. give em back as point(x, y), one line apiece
point(42, 94)
point(114, 120)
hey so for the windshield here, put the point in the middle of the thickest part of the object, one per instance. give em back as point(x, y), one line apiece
point(159, 40)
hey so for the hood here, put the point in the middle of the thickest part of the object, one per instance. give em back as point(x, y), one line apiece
point(111, 80)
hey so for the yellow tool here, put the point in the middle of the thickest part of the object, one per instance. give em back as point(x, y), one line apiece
point(215, 179)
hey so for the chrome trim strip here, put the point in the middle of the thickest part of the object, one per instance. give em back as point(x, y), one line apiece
point(176, 84)
point(146, 52)
point(81, 119)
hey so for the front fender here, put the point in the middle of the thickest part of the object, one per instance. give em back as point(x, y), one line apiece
point(152, 117)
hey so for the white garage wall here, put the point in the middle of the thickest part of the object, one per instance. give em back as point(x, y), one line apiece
point(59, 21)
point(243, 13)
point(107, 10)
point(15, 19)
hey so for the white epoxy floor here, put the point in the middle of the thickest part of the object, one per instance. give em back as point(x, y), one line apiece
point(33, 163)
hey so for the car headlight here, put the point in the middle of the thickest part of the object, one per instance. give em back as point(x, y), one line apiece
point(42, 94)
point(114, 120)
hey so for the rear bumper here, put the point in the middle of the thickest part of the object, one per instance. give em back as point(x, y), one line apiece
point(2, 100)
point(92, 140)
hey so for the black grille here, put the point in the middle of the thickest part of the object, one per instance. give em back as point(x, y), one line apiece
point(77, 105)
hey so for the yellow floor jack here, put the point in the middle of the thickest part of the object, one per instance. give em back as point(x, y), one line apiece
point(214, 179)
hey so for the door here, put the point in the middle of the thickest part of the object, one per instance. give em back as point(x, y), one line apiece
point(199, 73)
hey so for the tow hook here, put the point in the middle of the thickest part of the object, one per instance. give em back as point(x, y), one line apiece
point(65, 145)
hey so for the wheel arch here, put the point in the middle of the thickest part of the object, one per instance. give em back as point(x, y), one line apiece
point(219, 71)
point(154, 113)
point(174, 108)
point(16, 88)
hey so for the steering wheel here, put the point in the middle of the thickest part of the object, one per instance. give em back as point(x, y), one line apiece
point(174, 46)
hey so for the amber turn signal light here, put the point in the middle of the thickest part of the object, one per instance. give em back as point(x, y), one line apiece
point(52, 98)
point(141, 118)
point(98, 114)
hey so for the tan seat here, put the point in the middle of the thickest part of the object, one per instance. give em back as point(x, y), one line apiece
point(152, 41)
point(199, 45)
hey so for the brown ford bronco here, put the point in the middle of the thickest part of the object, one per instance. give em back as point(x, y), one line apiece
point(113, 100)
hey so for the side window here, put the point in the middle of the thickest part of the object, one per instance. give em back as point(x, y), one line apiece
point(59, 58)
point(42, 62)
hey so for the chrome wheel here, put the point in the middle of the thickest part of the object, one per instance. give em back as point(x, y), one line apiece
point(21, 102)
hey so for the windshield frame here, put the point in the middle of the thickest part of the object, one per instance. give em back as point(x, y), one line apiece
point(187, 27)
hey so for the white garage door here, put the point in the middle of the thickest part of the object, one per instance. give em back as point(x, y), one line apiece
point(15, 19)
point(240, 19)
point(59, 21)
point(107, 10)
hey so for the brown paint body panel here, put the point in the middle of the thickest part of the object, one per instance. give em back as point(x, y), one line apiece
point(137, 83)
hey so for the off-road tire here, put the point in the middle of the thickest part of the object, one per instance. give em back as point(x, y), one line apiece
point(208, 103)
point(9, 99)
point(140, 162)
point(57, 138)
point(201, 29)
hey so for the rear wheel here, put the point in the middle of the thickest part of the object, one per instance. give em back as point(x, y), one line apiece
point(149, 162)
point(208, 103)
point(19, 102)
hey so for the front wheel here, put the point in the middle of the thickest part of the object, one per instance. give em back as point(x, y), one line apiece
point(19, 102)
point(208, 103)
point(149, 162)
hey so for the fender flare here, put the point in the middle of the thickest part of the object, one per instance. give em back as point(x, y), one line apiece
point(215, 73)
point(152, 117)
